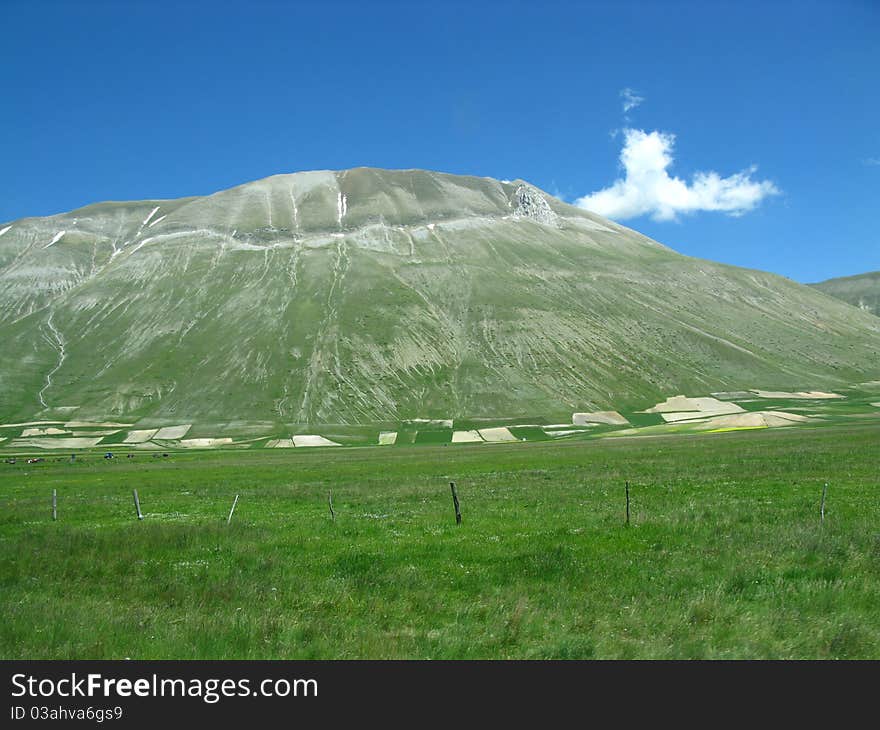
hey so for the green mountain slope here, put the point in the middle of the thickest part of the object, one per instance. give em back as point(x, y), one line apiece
point(369, 296)
point(862, 290)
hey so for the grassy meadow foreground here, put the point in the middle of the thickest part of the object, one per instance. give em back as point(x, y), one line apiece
point(725, 556)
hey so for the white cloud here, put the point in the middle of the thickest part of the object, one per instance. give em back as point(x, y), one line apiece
point(872, 161)
point(630, 99)
point(648, 189)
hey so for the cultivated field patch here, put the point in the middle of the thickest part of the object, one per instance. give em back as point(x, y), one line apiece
point(466, 437)
point(805, 395)
point(312, 440)
point(611, 418)
point(387, 438)
point(140, 436)
point(48, 431)
point(205, 443)
point(55, 443)
point(171, 433)
point(496, 435)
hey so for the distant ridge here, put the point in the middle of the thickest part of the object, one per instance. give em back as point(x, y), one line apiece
point(861, 290)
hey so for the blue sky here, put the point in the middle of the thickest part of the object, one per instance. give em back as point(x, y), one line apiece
point(129, 100)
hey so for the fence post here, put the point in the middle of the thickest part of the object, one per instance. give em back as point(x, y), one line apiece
point(54, 504)
point(137, 504)
point(822, 507)
point(330, 502)
point(455, 504)
point(234, 502)
point(627, 504)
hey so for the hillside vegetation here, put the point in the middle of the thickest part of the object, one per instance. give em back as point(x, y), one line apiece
point(371, 296)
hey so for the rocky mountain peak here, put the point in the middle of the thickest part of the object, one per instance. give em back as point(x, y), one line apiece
point(530, 203)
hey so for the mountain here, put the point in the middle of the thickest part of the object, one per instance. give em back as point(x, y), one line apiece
point(862, 290)
point(371, 296)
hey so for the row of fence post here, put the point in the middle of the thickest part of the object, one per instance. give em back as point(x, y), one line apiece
point(455, 504)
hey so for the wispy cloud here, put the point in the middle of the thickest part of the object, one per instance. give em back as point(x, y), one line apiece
point(872, 161)
point(647, 188)
point(630, 99)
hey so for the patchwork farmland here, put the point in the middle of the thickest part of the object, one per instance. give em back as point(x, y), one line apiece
point(719, 412)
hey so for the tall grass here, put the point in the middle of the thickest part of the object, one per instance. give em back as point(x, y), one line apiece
point(725, 556)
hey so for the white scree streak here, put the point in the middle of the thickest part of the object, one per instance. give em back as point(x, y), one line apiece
point(147, 219)
point(57, 341)
point(341, 208)
point(56, 239)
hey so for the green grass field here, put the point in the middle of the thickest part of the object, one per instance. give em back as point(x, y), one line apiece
point(724, 558)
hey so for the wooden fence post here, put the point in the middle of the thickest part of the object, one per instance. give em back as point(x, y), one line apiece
point(822, 507)
point(137, 504)
point(455, 504)
point(234, 502)
point(627, 504)
point(54, 504)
